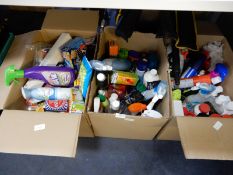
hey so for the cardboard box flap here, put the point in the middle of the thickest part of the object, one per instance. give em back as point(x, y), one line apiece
point(206, 138)
point(53, 134)
point(71, 20)
point(19, 50)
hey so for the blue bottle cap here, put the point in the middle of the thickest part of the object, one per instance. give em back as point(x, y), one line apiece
point(134, 54)
point(222, 70)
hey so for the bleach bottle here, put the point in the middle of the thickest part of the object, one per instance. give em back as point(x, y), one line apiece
point(151, 79)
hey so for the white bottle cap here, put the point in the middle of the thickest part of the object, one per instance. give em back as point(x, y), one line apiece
point(101, 77)
point(115, 105)
point(153, 71)
point(96, 104)
point(101, 92)
point(113, 97)
point(216, 80)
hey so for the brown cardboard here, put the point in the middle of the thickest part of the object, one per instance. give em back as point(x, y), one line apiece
point(130, 127)
point(199, 138)
point(58, 138)
point(61, 135)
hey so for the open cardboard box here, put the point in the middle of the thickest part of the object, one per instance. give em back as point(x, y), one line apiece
point(199, 137)
point(129, 126)
point(48, 133)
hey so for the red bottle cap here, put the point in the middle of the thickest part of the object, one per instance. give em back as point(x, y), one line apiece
point(188, 113)
point(227, 116)
point(204, 108)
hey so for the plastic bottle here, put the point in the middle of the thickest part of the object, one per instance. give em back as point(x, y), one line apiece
point(104, 101)
point(55, 76)
point(46, 93)
point(111, 64)
point(134, 96)
point(152, 114)
point(194, 69)
point(96, 104)
point(124, 78)
point(113, 97)
point(141, 68)
point(159, 90)
point(114, 106)
point(101, 81)
point(151, 79)
point(136, 108)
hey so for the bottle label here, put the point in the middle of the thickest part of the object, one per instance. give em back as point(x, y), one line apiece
point(56, 105)
point(57, 78)
point(186, 83)
point(151, 85)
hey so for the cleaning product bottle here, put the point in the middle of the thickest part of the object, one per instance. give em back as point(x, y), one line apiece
point(141, 68)
point(46, 93)
point(124, 78)
point(152, 114)
point(114, 106)
point(135, 108)
point(151, 79)
point(159, 90)
point(195, 68)
point(111, 64)
point(134, 96)
point(202, 110)
point(55, 76)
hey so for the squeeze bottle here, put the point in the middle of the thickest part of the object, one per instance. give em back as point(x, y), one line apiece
point(114, 106)
point(151, 79)
point(46, 93)
point(55, 76)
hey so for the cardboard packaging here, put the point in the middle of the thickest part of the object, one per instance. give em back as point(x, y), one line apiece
point(203, 137)
point(128, 126)
point(47, 133)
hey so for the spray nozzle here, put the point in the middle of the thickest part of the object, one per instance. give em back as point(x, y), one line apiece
point(11, 74)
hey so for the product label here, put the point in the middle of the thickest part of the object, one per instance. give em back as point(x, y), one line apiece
point(57, 78)
point(186, 83)
point(151, 85)
point(56, 105)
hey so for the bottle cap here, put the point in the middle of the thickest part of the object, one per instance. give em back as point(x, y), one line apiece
point(101, 77)
point(115, 105)
point(153, 71)
point(140, 87)
point(101, 92)
point(216, 80)
point(204, 108)
point(102, 97)
point(222, 70)
point(113, 97)
point(215, 115)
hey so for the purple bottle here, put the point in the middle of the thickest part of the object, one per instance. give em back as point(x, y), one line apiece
point(55, 76)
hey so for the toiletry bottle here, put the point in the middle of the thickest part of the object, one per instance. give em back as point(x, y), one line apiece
point(102, 81)
point(141, 68)
point(114, 106)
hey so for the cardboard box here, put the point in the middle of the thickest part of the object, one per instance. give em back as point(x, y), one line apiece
point(54, 134)
point(201, 137)
point(128, 126)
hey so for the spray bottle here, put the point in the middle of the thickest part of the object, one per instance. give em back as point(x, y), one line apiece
point(159, 90)
point(55, 76)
